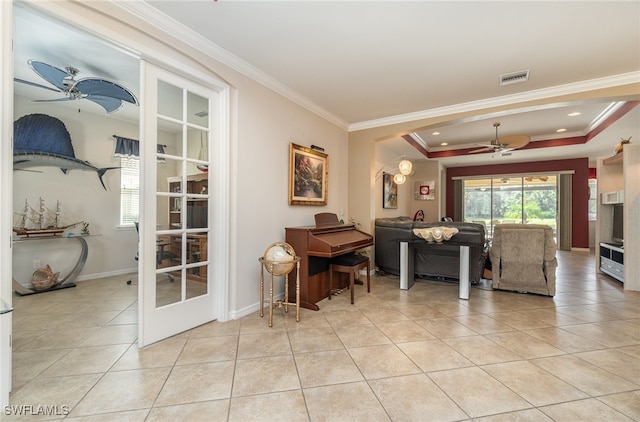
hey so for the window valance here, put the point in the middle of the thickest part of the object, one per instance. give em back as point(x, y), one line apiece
point(126, 147)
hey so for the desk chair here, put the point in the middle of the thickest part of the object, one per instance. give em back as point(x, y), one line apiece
point(349, 263)
point(161, 254)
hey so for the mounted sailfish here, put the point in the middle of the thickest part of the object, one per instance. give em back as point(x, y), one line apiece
point(40, 140)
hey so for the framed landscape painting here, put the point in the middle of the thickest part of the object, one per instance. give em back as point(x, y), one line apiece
point(308, 176)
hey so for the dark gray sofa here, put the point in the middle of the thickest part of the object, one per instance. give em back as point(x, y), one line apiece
point(435, 261)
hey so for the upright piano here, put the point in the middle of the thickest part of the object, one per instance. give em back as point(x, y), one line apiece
point(316, 246)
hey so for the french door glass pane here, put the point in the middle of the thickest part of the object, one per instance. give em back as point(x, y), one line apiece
point(170, 102)
point(197, 110)
point(197, 151)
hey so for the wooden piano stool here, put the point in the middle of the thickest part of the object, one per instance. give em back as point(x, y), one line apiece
point(350, 263)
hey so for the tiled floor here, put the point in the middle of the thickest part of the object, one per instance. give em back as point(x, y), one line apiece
point(417, 355)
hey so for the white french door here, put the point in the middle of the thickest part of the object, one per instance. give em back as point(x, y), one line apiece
point(183, 219)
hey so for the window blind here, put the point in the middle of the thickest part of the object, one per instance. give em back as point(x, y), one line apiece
point(129, 190)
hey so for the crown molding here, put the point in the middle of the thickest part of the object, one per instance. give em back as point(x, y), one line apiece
point(154, 17)
point(559, 90)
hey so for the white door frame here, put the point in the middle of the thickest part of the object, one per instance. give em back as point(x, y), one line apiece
point(6, 193)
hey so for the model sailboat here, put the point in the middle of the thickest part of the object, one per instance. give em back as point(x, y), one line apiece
point(40, 222)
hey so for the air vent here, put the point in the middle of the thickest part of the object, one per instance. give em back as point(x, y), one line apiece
point(514, 78)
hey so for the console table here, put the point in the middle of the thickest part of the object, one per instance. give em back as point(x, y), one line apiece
point(65, 282)
point(407, 275)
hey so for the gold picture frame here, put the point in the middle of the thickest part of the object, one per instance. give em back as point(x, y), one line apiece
point(308, 176)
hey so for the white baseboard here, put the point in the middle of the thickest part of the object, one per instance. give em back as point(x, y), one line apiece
point(107, 274)
point(248, 310)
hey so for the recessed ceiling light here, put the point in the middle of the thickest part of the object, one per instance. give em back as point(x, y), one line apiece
point(575, 113)
point(561, 130)
point(435, 133)
point(444, 144)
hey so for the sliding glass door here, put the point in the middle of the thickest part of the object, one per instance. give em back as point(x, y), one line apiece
point(540, 200)
point(514, 199)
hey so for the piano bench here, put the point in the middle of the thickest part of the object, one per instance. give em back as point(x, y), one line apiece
point(350, 263)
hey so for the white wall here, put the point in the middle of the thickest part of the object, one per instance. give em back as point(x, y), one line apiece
point(81, 195)
point(266, 125)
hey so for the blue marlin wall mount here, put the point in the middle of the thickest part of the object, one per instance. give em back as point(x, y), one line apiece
point(40, 140)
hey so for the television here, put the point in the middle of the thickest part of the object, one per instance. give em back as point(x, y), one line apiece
point(197, 212)
point(617, 234)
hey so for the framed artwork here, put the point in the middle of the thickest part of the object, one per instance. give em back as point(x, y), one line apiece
point(308, 176)
point(424, 190)
point(389, 191)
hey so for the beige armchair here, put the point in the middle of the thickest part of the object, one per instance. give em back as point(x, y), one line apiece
point(523, 258)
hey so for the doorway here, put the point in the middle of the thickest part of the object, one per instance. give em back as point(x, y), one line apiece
point(221, 222)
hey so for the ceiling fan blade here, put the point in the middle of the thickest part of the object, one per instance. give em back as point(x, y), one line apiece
point(108, 103)
point(104, 88)
point(49, 73)
point(22, 81)
point(485, 149)
point(53, 100)
point(515, 141)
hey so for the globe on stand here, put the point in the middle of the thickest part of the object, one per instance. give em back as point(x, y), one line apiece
point(279, 258)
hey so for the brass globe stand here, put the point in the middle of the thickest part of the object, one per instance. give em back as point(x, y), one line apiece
point(272, 268)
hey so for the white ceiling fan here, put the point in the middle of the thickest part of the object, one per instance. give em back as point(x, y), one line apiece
point(107, 94)
point(504, 144)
